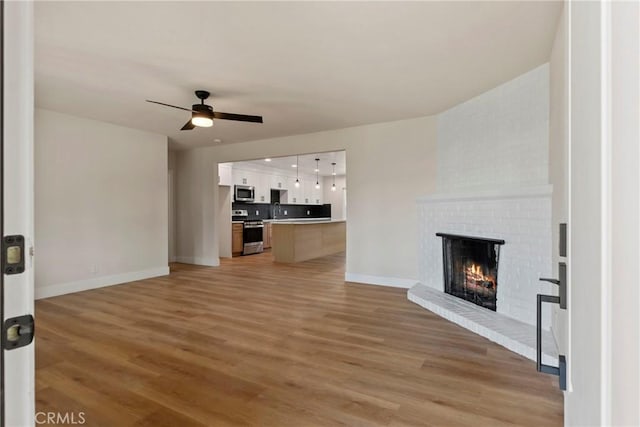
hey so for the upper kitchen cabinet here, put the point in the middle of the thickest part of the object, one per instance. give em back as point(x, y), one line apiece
point(277, 174)
point(316, 195)
point(278, 182)
point(225, 174)
point(257, 179)
point(296, 194)
point(262, 184)
point(242, 176)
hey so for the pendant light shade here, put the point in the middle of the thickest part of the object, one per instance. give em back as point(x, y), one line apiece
point(297, 184)
point(317, 173)
point(333, 187)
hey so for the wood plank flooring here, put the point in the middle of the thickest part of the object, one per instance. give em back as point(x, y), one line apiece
point(258, 343)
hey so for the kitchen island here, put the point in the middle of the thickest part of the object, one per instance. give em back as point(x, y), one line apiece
point(295, 241)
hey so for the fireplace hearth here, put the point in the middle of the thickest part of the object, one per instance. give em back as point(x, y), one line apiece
point(470, 266)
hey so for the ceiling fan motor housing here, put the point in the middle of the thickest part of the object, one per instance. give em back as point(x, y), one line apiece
point(202, 110)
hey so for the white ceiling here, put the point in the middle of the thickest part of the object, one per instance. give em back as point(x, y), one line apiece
point(307, 163)
point(304, 66)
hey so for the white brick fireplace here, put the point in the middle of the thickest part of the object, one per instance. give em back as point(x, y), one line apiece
point(522, 218)
point(493, 182)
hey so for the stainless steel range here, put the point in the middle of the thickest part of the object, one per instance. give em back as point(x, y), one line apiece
point(252, 237)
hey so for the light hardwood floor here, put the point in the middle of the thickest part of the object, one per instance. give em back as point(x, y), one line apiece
point(258, 343)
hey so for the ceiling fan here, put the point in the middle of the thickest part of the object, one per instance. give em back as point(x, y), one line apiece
point(202, 115)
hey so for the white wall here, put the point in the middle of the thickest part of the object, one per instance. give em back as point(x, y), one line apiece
point(224, 221)
point(335, 198)
point(382, 242)
point(101, 204)
point(196, 205)
point(171, 163)
point(497, 139)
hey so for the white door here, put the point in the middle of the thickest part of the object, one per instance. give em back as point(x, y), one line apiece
point(17, 212)
point(603, 356)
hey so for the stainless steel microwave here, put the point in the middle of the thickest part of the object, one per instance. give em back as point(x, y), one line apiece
point(244, 193)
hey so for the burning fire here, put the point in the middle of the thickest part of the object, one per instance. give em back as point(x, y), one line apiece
point(474, 277)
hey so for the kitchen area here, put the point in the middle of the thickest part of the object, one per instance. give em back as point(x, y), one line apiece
point(293, 208)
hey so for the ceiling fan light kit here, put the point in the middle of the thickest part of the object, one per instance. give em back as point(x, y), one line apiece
point(202, 115)
point(201, 120)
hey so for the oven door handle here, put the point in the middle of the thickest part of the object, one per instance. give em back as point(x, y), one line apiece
point(254, 226)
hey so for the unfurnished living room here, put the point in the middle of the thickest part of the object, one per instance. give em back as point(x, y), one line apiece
point(318, 213)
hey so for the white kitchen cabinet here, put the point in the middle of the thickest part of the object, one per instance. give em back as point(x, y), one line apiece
point(264, 181)
point(310, 194)
point(240, 176)
point(262, 184)
point(255, 179)
point(225, 174)
point(307, 192)
point(317, 195)
point(296, 194)
point(278, 182)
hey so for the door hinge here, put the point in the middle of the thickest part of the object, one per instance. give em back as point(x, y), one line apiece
point(18, 332)
point(13, 254)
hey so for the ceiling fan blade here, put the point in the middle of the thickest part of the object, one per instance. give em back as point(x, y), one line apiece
point(188, 126)
point(169, 105)
point(238, 117)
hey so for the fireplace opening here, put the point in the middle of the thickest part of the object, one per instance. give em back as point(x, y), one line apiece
point(470, 267)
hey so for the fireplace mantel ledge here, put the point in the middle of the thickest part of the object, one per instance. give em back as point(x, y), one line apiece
point(510, 193)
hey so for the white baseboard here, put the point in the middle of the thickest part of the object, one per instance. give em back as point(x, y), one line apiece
point(99, 282)
point(208, 262)
point(395, 282)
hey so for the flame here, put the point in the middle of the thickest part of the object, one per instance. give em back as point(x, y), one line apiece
point(474, 274)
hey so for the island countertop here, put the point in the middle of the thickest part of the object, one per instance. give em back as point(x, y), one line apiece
point(295, 241)
point(304, 221)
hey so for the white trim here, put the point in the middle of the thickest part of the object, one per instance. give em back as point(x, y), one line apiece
point(18, 161)
point(606, 207)
point(394, 282)
point(568, 82)
point(511, 193)
point(207, 262)
point(99, 282)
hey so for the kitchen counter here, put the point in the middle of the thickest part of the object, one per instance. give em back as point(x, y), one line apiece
point(303, 239)
point(288, 220)
point(300, 220)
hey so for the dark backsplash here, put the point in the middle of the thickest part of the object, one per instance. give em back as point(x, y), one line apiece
point(265, 211)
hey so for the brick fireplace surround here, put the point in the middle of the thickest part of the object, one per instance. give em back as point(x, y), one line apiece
point(522, 217)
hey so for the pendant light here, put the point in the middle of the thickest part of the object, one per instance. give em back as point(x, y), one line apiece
point(317, 172)
point(333, 187)
point(297, 184)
